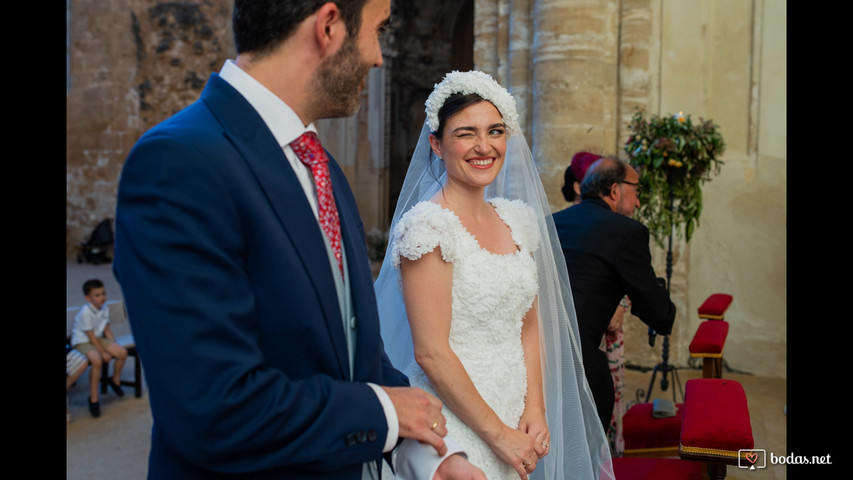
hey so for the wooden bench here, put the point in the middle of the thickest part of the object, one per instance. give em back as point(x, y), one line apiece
point(121, 330)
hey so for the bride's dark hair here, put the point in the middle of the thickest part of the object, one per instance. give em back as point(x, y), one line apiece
point(453, 105)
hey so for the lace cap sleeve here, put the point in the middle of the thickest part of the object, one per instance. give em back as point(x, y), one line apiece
point(521, 219)
point(421, 229)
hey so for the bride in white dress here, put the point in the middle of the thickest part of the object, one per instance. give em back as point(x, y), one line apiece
point(473, 295)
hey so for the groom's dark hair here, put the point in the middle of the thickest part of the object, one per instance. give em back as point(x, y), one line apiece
point(261, 25)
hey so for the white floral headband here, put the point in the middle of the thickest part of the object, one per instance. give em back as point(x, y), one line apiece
point(476, 82)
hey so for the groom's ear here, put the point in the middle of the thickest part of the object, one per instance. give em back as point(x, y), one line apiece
point(435, 145)
point(329, 28)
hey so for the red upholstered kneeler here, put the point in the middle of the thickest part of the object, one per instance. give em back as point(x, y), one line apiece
point(715, 306)
point(715, 424)
point(646, 436)
point(708, 344)
point(625, 468)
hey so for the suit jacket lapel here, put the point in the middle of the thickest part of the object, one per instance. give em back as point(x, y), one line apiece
point(250, 135)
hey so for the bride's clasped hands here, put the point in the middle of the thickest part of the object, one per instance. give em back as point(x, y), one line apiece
point(533, 423)
point(518, 449)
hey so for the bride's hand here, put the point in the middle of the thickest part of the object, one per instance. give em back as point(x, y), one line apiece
point(535, 425)
point(517, 449)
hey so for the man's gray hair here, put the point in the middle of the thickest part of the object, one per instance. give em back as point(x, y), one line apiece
point(601, 176)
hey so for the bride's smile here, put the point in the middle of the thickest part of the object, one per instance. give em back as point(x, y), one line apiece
point(484, 162)
point(472, 146)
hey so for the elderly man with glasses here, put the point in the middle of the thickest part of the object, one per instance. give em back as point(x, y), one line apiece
point(607, 256)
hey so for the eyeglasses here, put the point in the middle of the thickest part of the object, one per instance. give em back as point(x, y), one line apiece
point(637, 187)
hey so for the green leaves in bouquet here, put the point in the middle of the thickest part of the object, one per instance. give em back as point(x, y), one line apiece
point(673, 155)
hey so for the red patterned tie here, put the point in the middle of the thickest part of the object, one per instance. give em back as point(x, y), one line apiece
point(309, 151)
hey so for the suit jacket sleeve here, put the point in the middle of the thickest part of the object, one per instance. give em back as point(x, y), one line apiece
point(224, 394)
point(649, 301)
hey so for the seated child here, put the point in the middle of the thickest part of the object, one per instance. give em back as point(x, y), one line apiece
point(92, 336)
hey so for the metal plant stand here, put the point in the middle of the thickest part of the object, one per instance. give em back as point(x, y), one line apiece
point(664, 367)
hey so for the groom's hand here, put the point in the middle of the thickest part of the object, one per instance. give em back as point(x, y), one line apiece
point(456, 467)
point(419, 415)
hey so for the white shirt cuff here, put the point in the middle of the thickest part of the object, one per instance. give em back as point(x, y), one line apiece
point(414, 460)
point(390, 416)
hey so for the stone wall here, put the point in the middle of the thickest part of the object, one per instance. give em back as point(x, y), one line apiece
point(131, 64)
point(591, 64)
point(578, 68)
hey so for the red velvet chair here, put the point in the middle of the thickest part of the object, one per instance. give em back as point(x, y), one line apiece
point(647, 436)
point(714, 307)
point(715, 428)
point(710, 337)
point(715, 431)
point(707, 344)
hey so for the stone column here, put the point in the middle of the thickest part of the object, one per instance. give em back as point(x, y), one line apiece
point(575, 73)
point(638, 58)
point(486, 17)
point(519, 72)
point(503, 34)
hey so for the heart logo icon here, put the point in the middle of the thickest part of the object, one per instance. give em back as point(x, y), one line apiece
point(752, 457)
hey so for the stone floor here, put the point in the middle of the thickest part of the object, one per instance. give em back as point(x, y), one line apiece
point(121, 434)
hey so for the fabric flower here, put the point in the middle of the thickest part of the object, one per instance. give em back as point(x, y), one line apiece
point(476, 82)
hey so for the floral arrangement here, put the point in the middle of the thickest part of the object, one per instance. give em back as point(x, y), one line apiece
point(466, 83)
point(674, 157)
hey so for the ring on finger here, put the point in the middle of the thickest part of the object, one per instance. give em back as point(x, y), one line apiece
point(434, 424)
point(545, 445)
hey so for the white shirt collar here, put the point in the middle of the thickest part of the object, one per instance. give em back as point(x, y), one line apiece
point(282, 121)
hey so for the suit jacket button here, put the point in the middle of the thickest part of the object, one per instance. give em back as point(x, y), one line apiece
point(351, 439)
point(353, 323)
point(371, 435)
point(362, 436)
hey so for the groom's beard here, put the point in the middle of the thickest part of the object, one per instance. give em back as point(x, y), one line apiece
point(341, 80)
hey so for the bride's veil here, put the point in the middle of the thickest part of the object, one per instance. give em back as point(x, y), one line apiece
point(578, 447)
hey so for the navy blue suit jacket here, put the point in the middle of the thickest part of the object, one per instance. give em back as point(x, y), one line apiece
point(232, 303)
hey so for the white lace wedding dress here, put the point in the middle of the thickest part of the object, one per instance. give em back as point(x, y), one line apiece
point(491, 293)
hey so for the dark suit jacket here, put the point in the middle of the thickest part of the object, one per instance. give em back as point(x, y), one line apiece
point(233, 307)
point(607, 256)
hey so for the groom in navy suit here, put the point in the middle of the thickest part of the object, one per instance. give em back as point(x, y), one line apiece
point(261, 349)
